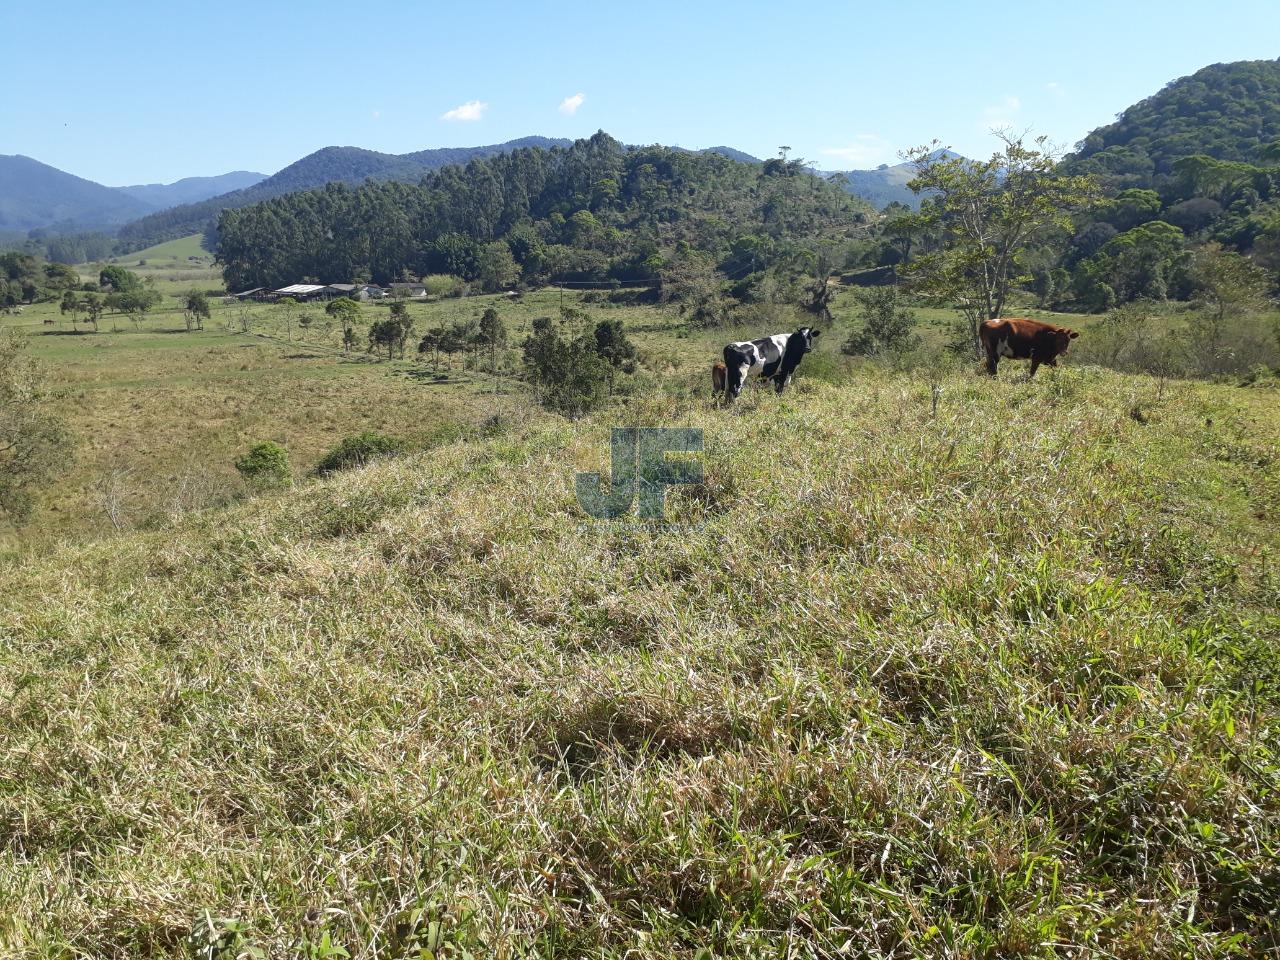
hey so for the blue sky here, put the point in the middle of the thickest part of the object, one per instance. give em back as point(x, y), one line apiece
point(135, 92)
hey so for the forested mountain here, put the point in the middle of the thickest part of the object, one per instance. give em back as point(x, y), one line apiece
point(34, 194)
point(349, 165)
point(1228, 111)
point(191, 189)
point(594, 211)
point(1188, 196)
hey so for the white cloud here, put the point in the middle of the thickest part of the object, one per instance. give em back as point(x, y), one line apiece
point(1000, 114)
point(867, 149)
point(570, 105)
point(377, 114)
point(471, 110)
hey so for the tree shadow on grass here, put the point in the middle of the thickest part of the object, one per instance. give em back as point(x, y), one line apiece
point(433, 379)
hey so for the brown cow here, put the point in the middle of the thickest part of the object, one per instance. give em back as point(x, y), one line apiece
point(719, 378)
point(1019, 339)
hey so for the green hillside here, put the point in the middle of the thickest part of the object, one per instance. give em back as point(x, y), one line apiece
point(171, 252)
point(595, 211)
point(996, 682)
point(1228, 111)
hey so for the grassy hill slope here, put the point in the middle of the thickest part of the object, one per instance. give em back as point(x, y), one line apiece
point(990, 683)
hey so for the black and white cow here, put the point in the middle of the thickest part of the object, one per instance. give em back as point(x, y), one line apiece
point(772, 358)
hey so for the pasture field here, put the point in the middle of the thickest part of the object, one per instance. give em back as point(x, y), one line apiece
point(160, 413)
point(999, 681)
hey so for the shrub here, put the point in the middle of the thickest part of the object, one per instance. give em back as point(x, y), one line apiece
point(358, 450)
point(572, 365)
point(444, 285)
point(265, 466)
point(886, 325)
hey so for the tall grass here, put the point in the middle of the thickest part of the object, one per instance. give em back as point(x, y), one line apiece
point(999, 681)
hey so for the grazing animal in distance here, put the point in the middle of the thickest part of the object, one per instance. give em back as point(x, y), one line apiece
point(772, 358)
point(719, 377)
point(1020, 339)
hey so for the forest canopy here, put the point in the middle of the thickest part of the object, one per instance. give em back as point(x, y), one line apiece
point(1227, 111)
point(595, 211)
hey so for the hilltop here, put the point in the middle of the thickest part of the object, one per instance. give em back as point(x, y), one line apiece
point(192, 189)
point(920, 685)
point(1228, 111)
point(594, 211)
point(885, 184)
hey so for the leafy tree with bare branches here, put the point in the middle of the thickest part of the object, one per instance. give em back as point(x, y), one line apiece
point(988, 213)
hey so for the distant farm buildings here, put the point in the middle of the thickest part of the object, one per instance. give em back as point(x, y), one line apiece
point(411, 291)
point(304, 292)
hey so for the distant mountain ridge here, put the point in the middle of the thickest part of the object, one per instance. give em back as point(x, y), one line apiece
point(191, 189)
point(349, 165)
point(34, 195)
point(885, 184)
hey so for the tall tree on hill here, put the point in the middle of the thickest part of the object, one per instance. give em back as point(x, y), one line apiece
point(987, 213)
point(819, 290)
point(70, 304)
point(393, 332)
point(493, 332)
point(347, 312)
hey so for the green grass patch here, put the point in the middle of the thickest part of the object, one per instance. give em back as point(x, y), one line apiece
point(997, 682)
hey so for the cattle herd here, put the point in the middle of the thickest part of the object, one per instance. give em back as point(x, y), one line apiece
point(775, 358)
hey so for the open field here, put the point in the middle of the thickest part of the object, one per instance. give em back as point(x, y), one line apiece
point(160, 413)
point(999, 682)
